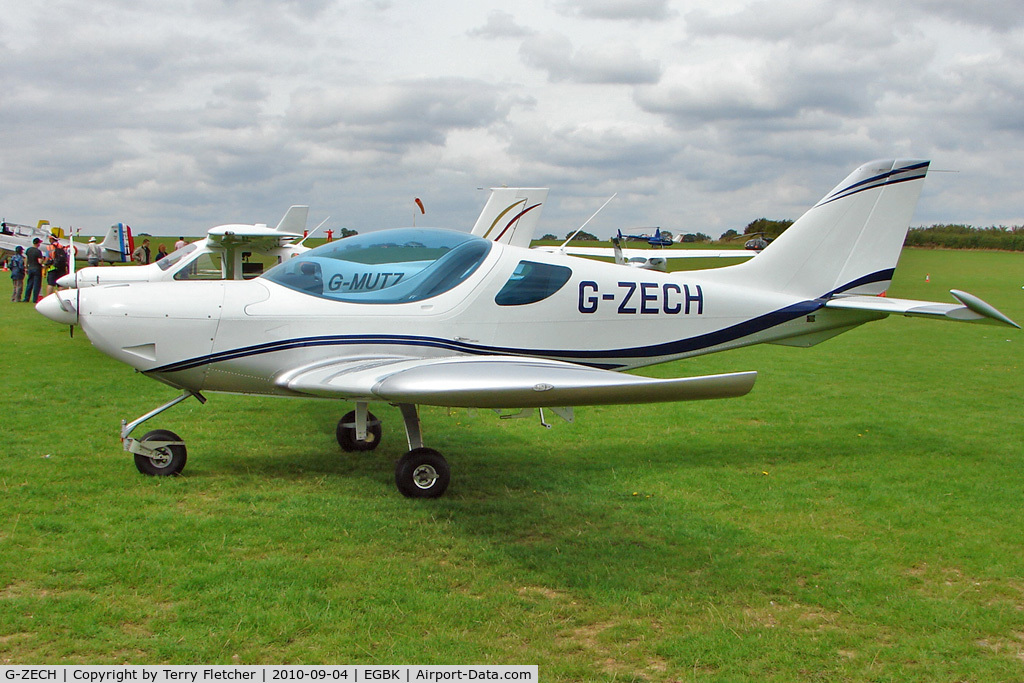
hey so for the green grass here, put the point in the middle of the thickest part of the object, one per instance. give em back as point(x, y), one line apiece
point(857, 517)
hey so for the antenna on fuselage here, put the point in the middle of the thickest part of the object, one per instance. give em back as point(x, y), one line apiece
point(587, 221)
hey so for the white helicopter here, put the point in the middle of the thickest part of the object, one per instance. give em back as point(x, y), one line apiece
point(437, 317)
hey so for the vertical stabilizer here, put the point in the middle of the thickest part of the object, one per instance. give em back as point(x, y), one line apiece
point(294, 220)
point(848, 242)
point(118, 244)
point(511, 215)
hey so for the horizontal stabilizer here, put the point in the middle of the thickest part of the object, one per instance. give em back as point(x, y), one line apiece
point(501, 382)
point(972, 310)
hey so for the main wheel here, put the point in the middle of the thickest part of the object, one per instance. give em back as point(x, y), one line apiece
point(422, 473)
point(169, 461)
point(346, 433)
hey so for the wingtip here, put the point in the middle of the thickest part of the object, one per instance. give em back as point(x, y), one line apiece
point(982, 307)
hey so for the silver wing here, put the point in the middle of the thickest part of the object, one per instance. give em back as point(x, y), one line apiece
point(499, 382)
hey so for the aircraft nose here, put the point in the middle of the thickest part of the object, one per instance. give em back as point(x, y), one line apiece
point(59, 309)
point(69, 281)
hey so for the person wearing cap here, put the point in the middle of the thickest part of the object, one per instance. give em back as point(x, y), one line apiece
point(58, 262)
point(17, 266)
point(92, 255)
point(33, 271)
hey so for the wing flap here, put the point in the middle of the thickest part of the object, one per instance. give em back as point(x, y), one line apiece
point(971, 310)
point(502, 382)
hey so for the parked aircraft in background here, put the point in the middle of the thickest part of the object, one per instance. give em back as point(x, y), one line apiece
point(646, 259)
point(511, 216)
point(437, 317)
point(758, 242)
point(655, 240)
point(221, 255)
point(116, 247)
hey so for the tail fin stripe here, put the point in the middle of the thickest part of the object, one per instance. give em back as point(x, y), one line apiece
point(880, 276)
point(502, 215)
point(899, 175)
point(513, 221)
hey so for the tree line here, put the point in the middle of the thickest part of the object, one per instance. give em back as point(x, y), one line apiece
point(967, 237)
point(942, 236)
point(937, 236)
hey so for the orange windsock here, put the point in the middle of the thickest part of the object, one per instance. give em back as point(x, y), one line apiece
point(420, 204)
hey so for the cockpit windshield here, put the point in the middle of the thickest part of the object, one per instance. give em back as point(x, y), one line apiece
point(387, 267)
point(175, 256)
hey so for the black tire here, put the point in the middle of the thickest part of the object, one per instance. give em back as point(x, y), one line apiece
point(173, 458)
point(422, 473)
point(347, 435)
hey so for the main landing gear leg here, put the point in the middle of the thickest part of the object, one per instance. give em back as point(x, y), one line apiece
point(358, 430)
point(422, 472)
point(159, 453)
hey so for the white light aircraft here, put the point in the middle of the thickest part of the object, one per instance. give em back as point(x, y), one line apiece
point(436, 317)
point(218, 256)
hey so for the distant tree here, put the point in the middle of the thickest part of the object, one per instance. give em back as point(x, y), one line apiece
point(967, 237)
point(549, 237)
point(728, 235)
point(701, 237)
point(768, 228)
point(689, 237)
point(583, 236)
point(667, 234)
point(345, 232)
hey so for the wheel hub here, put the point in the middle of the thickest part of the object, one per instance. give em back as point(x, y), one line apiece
point(161, 458)
point(424, 476)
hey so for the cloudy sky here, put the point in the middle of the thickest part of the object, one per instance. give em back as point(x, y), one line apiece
point(701, 115)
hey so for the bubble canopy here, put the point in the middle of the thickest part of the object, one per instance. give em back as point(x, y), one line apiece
point(386, 267)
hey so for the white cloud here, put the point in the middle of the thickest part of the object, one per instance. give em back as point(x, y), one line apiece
point(616, 9)
point(500, 24)
point(174, 116)
point(615, 63)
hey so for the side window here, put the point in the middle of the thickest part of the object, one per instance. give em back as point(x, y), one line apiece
point(206, 267)
point(532, 282)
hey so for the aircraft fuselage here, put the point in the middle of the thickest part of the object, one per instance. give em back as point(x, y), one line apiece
point(239, 336)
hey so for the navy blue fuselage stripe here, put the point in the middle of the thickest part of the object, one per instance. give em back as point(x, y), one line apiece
point(880, 276)
point(682, 346)
point(888, 178)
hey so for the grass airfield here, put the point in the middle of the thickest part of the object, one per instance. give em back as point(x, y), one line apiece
point(857, 517)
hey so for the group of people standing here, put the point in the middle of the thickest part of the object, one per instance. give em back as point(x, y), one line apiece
point(141, 255)
point(27, 268)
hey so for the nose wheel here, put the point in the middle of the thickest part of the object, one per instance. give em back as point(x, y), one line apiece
point(159, 453)
point(165, 454)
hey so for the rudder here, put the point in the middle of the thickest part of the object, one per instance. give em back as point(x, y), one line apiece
point(850, 241)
